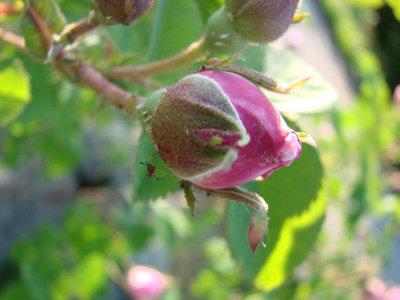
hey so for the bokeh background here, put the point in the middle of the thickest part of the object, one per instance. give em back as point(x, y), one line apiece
point(72, 228)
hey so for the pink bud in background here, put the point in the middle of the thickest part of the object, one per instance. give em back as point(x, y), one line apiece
point(145, 283)
point(218, 130)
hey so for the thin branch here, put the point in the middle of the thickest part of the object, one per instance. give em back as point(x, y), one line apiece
point(195, 52)
point(13, 39)
point(110, 92)
point(80, 28)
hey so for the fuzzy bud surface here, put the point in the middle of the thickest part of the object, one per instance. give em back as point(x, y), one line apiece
point(218, 130)
point(261, 21)
point(123, 11)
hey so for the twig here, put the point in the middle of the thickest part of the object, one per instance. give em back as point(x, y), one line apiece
point(13, 39)
point(77, 29)
point(195, 52)
point(110, 92)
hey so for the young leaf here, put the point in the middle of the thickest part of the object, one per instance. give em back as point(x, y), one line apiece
point(39, 21)
point(151, 186)
point(14, 92)
point(297, 202)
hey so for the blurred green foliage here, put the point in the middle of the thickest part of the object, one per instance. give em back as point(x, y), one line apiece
point(89, 253)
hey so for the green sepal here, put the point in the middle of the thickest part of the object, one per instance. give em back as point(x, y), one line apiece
point(257, 78)
point(190, 197)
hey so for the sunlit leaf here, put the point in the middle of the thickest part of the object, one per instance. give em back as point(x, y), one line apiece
point(14, 92)
point(297, 202)
point(395, 5)
point(316, 95)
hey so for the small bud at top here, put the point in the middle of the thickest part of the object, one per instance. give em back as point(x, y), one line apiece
point(262, 21)
point(124, 12)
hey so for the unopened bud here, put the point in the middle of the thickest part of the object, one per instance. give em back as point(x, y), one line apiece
point(262, 21)
point(124, 12)
point(218, 130)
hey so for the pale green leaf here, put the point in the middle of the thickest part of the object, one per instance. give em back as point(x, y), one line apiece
point(317, 95)
point(14, 92)
point(395, 5)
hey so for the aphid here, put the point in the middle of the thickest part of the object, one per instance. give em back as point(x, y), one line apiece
point(151, 169)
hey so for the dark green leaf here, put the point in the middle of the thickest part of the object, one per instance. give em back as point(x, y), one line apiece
point(39, 19)
point(297, 202)
point(14, 92)
point(151, 186)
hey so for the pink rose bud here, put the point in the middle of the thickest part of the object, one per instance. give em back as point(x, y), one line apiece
point(262, 21)
point(218, 130)
point(145, 283)
point(123, 11)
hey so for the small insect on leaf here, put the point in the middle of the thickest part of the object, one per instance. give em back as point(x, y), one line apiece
point(151, 170)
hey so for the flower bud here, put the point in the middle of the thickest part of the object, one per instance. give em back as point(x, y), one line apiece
point(145, 283)
point(262, 21)
point(123, 11)
point(218, 130)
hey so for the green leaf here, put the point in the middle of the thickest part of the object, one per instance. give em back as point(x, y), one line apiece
point(39, 18)
point(15, 291)
point(51, 123)
point(89, 276)
point(297, 202)
point(173, 32)
point(151, 186)
point(375, 4)
point(317, 95)
point(14, 92)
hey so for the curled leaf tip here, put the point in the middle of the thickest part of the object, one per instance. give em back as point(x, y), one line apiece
point(306, 139)
point(300, 17)
point(298, 83)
